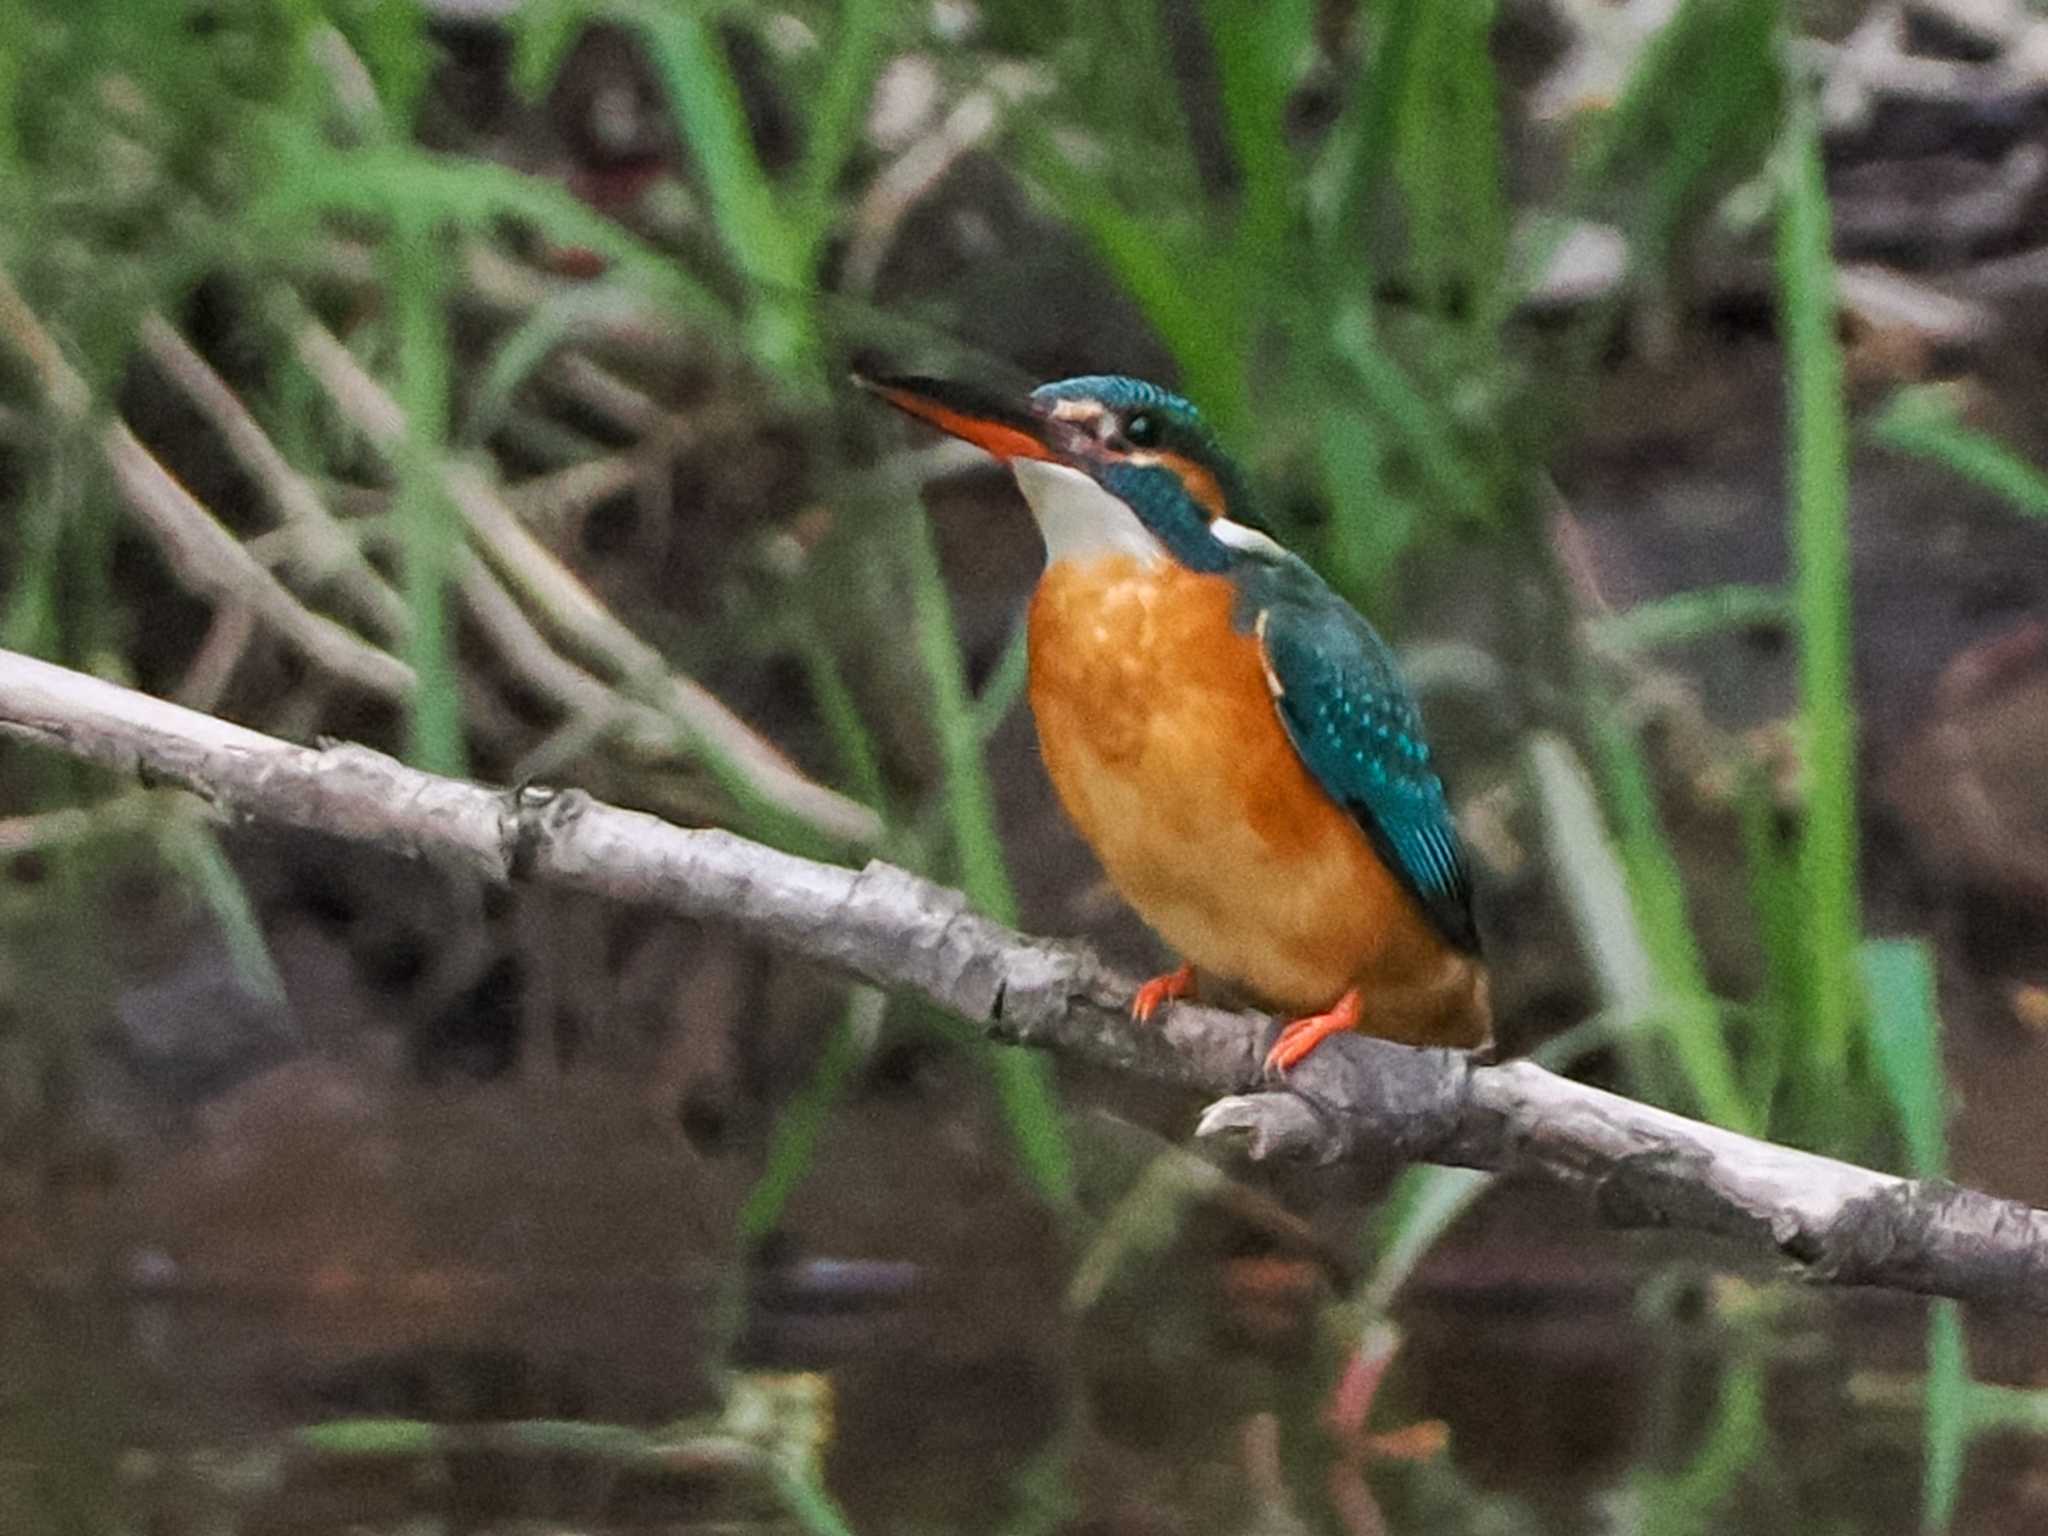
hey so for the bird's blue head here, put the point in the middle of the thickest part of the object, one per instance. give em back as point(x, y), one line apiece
point(1108, 463)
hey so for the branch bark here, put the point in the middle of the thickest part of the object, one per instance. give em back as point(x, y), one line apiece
point(1355, 1097)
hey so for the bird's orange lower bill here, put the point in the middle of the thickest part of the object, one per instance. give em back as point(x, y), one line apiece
point(990, 432)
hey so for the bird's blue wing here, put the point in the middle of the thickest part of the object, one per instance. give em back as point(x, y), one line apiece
point(1356, 726)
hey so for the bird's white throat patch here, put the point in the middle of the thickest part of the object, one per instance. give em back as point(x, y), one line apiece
point(1079, 519)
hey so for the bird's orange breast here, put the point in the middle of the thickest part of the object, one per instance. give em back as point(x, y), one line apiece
point(1160, 734)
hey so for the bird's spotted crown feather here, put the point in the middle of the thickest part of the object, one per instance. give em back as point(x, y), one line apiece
point(1121, 392)
point(1178, 473)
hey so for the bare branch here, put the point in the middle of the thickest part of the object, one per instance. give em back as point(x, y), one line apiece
point(529, 569)
point(1355, 1097)
point(203, 555)
point(220, 654)
point(905, 182)
point(325, 547)
point(209, 560)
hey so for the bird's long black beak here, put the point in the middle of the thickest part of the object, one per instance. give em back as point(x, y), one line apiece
point(1007, 428)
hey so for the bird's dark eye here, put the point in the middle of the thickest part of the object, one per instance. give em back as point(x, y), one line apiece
point(1140, 430)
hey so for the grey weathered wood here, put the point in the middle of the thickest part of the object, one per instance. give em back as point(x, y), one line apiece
point(1354, 1097)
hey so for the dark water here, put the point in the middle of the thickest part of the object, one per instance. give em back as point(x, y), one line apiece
point(1586, 1382)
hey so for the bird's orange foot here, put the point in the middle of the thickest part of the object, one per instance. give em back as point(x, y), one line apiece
point(1304, 1035)
point(1162, 989)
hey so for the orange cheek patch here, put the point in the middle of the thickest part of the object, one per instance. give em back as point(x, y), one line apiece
point(996, 437)
point(1199, 483)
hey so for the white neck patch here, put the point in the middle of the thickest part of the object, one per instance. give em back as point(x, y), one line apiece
point(1240, 536)
point(1079, 519)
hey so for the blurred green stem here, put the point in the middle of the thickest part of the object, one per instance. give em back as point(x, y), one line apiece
point(1820, 551)
point(1365, 141)
point(802, 1120)
point(1682, 1009)
point(428, 520)
point(970, 799)
point(1024, 1080)
point(768, 247)
point(855, 55)
point(1926, 420)
point(841, 712)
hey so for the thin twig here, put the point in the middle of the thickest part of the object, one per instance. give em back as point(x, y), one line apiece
point(555, 500)
point(911, 176)
point(1355, 1097)
point(220, 653)
point(638, 332)
point(598, 388)
point(322, 543)
point(203, 555)
point(209, 560)
point(532, 571)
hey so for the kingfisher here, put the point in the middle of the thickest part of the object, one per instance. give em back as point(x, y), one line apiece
point(1232, 738)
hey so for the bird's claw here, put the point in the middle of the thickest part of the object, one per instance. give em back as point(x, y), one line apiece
point(1160, 990)
point(1304, 1035)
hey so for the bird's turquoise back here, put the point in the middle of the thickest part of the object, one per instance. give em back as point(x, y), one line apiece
point(1358, 730)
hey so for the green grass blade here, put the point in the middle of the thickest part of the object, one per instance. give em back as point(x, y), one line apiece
point(1447, 157)
point(706, 101)
point(398, 182)
point(1362, 144)
point(556, 322)
point(803, 1495)
point(33, 618)
point(1175, 282)
point(1688, 616)
point(802, 1120)
point(832, 132)
point(1695, 114)
point(841, 713)
point(1005, 681)
point(1945, 1425)
point(792, 1148)
point(1371, 522)
point(1905, 1037)
point(1257, 44)
point(430, 527)
point(543, 32)
point(1147, 1219)
point(391, 38)
point(371, 1438)
point(14, 58)
point(1044, 1488)
point(1694, 1502)
point(2022, 1409)
point(1417, 422)
point(1426, 1202)
point(969, 797)
point(1819, 430)
point(195, 852)
point(1024, 1079)
point(1423, 1205)
point(1923, 421)
point(1771, 869)
point(1684, 1012)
